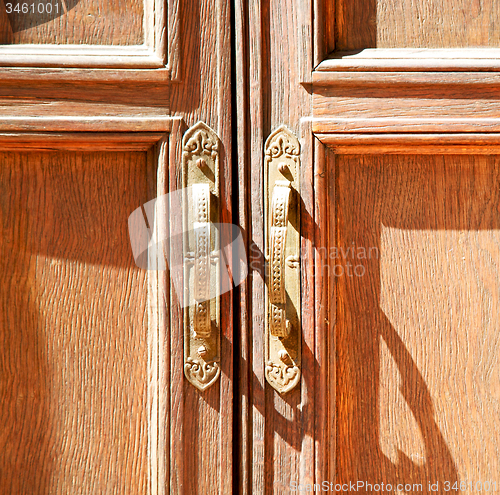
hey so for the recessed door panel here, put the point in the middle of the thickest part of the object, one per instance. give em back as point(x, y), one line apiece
point(80, 22)
point(416, 24)
point(417, 271)
point(74, 381)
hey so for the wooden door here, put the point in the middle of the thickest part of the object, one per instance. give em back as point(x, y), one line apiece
point(391, 111)
point(395, 105)
point(95, 99)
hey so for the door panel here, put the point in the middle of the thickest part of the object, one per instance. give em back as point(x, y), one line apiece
point(400, 160)
point(83, 22)
point(418, 251)
point(416, 24)
point(75, 384)
point(95, 399)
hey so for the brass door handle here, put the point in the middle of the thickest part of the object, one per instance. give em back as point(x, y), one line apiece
point(201, 210)
point(283, 330)
point(280, 203)
point(201, 260)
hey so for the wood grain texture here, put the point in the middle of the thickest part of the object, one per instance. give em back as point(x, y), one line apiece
point(174, 44)
point(83, 141)
point(73, 325)
point(415, 24)
point(105, 39)
point(283, 439)
point(243, 316)
point(393, 103)
point(201, 433)
point(355, 24)
point(84, 22)
point(414, 60)
point(159, 322)
point(71, 56)
point(103, 102)
point(418, 396)
point(324, 76)
point(96, 123)
point(437, 23)
point(21, 75)
point(325, 310)
point(378, 143)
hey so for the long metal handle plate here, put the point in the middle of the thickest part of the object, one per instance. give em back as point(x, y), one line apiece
point(283, 328)
point(201, 210)
point(280, 203)
point(201, 262)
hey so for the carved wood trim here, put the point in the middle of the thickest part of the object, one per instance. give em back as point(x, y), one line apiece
point(130, 57)
point(404, 126)
point(437, 143)
point(99, 140)
point(326, 25)
point(159, 148)
point(92, 124)
point(411, 59)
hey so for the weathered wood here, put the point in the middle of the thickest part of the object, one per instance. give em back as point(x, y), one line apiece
point(406, 125)
point(416, 334)
point(404, 103)
point(415, 23)
point(85, 22)
point(411, 59)
point(96, 124)
point(244, 313)
point(281, 433)
point(437, 23)
point(394, 419)
point(460, 143)
point(324, 302)
point(130, 36)
point(120, 98)
point(48, 141)
point(69, 75)
point(73, 326)
point(201, 433)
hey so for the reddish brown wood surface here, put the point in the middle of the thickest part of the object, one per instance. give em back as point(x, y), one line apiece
point(414, 342)
point(86, 22)
point(180, 440)
point(73, 325)
point(417, 345)
point(283, 437)
point(201, 423)
point(415, 23)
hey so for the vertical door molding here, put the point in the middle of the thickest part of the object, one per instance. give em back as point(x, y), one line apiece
point(284, 438)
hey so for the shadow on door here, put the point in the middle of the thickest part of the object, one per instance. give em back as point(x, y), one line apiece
point(418, 393)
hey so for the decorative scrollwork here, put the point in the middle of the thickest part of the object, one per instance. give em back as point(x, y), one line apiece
point(282, 142)
point(200, 373)
point(201, 206)
point(282, 378)
point(279, 221)
point(201, 209)
point(200, 141)
point(283, 329)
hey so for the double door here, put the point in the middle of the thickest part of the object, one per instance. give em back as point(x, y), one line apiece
point(249, 247)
